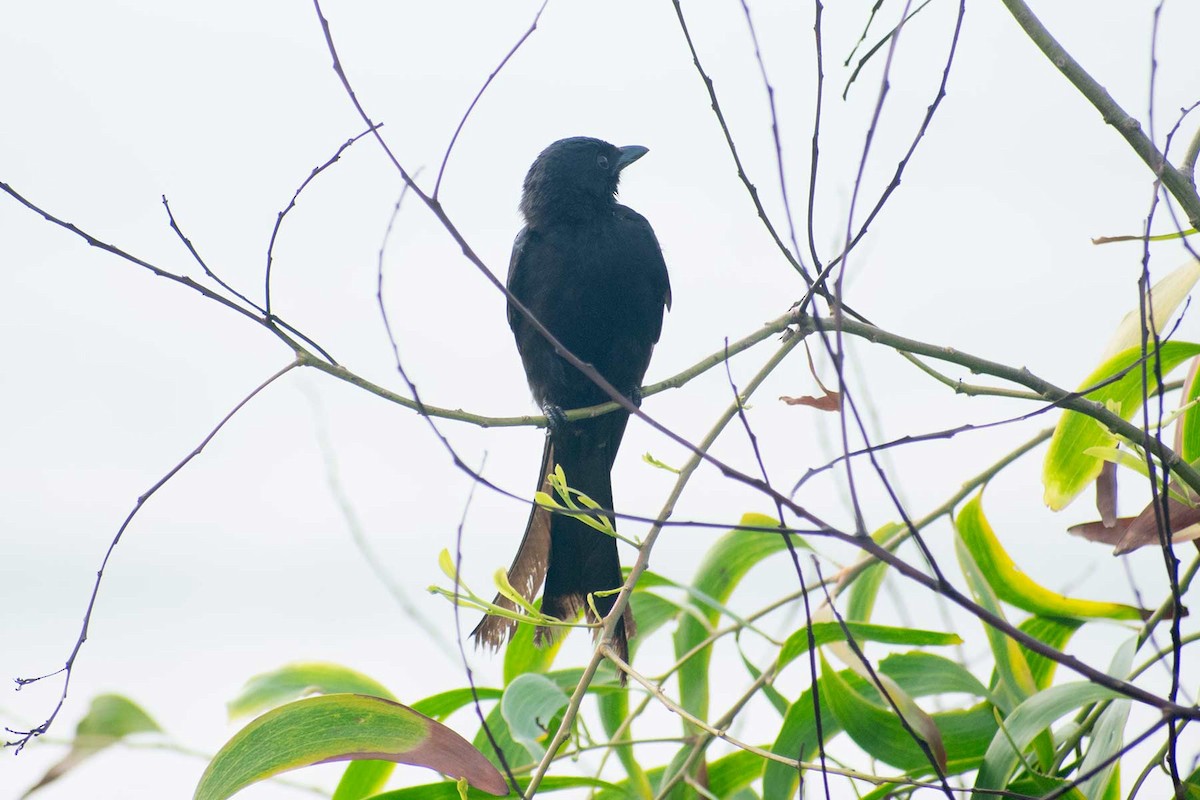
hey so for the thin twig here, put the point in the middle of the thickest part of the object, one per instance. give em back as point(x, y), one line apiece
point(203, 265)
point(24, 737)
point(793, 258)
point(292, 204)
point(512, 52)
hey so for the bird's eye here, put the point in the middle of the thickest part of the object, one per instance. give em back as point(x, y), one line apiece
point(602, 162)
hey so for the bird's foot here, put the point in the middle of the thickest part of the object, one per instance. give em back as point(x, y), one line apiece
point(635, 396)
point(555, 416)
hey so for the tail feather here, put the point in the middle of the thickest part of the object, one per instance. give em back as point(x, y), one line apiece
point(528, 570)
point(569, 556)
point(583, 560)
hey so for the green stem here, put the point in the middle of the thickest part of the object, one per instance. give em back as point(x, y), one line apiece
point(1047, 391)
point(338, 371)
point(1178, 183)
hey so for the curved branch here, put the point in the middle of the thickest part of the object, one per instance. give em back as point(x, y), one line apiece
point(1176, 181)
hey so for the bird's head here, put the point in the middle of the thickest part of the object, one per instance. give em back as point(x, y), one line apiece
point(574, 179)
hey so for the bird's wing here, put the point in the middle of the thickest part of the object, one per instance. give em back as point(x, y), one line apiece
point(518, 270)
point(644, 244)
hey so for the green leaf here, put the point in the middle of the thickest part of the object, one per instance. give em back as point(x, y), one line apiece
point(529, 705)
point(727, 776)
point(731, 774)
point(866, 586)
point(441, 705)
point(109, 719)
point(654, 462)
point(293, 681)
point(1054, 632)
point(614, 712)
point(923, 674)
point(650, 612)
point(874, 728)
point(797, 739)
point(363, 779)
point(1108, 735)
point(724, 566)
point(522, 655)
point(966, 732)
point(825, 632)
point(1015, 587)
point(1015, 678)
point(1027, 721)
point(112, 717)
point(1191, 785)
point(514, 754)
point(1189, 426)
point(605, 683)
point(341, 727)
point(447, 790)
point(1068, 470)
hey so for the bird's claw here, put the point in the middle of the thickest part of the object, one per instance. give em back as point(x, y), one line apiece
point(555, 416)
point(635, 396)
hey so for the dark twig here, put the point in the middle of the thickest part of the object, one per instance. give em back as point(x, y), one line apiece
point(203, 265)
point(118, 252)
point(793, 258)
point(836, 350)
point(24, 737)
point(1190, 172)
point(1159, 492)
point(766, 82)
point(458, 637)
point(512, 51)
point(862, 62)
point(292, 204)
point(815, 157)
point(1073, 401)
point(862, 37)
point(912, 148)
point(269, 321)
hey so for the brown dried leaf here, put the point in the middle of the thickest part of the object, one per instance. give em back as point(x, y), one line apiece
point(830, 401)
point(1106, 494)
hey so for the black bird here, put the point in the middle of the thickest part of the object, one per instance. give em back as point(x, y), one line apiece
point(592, 272)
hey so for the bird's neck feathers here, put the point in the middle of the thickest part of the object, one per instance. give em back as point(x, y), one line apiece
point(547, 202)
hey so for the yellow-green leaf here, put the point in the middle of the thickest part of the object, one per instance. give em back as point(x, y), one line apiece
point(1015, 587)
point(1015, 677)
point(1166, 295)
point(826, 632)
point(1189, 426)
point(1068, 468)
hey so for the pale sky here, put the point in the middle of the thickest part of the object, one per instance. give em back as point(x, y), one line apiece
point(244, 561)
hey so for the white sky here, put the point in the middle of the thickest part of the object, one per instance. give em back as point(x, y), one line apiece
point(244, 561)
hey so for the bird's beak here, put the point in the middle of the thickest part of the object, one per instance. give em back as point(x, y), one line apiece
point(630, 154)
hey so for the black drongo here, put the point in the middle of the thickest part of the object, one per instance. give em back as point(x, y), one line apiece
point(591, 271)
